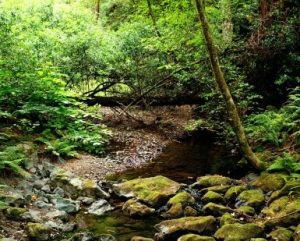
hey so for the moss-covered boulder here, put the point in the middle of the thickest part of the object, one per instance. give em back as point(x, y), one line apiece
point(134, 208)
point(215, 209)
point(139, 238)
point(281, 234)
point(153, 190)
point(171, 228)
point(258, 239)
point(218, 189)
point(253, 198)
point(211, 196)
point(195, 237)
point(293, 185)
point(212, 180)
point(246, 210)
point(233, 192)
point(284, 211)
point(296, 235)
point(177, 205)
point(237, 231)
point(190, 212)
point(227, 218)
point(15, 213)
point(38, 231)
point(269, 181)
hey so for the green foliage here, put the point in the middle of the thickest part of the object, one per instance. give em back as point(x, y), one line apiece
point(13, 158)
point(286, 163)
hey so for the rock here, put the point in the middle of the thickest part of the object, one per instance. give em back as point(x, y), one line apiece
point(233, 192)
point(190, 212)
point(177, 204)
point(269, 182)
point(62, 215)
point(100, 207)
point(281, 234)
point(91, 237)
point(188, 224)
point(58, 225)
point(134, 208)
point(241, 232)
point(59, 192)
point(246, 210)
point(212, 180)
point(282, 212)
point(290, 185)
point(211, 196)
point(38, 231)
point(67, 205)
point(195, 237)
point(43, 205)
point(46, 189)
point(258, 239)
point(15, 213)
point(218, 189)
point(86, 200)
point(212, 208)
point(138, 238)
point(7, 239)
point(32, 216)
point(227, 218)
point(153, 191)
point(15, 200)
point(296, 235)
point(254, 198)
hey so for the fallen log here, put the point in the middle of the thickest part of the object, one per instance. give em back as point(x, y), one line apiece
point(113, 101)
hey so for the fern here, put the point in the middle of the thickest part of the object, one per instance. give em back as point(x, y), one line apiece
point(285, 163)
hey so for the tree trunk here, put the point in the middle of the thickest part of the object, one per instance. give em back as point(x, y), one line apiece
point(153, 18)
point(219, 76)
point(97, 10)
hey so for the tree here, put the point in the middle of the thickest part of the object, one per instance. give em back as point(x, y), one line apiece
point(232, 110)
point(97, 9)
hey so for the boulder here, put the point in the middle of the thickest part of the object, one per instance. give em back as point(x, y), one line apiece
point(153, 191)
point(139, 238)
point(233, 192)
point(67, 205)
point(212, 180)
point(195, 237)
point(211, 196)
point(296, 235)
point(281, 234)
point(218, 189)
point(215, 209)
point(254, 198)
point(15, 213)
point(100, 207)
point(227, 218)
point(38, 231)
point(190, 212)
point(134, 208)
point(246, 210)
point(57, 214)
point(170, 228)
point(237, 231)
point(269, 181)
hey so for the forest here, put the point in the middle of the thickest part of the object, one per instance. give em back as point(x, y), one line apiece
point(143, 120)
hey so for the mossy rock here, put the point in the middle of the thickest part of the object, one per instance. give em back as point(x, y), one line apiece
point(258, 239)
point(253, 198)
point(212, 180)
point(246, 210)
point(169, 228)
point(227, 218)
point(281, 234)
point(153, 190)
point(195, 237)
point(296, 235)
point(241, 232)
point(233, 192)
point(134, 208)
point(277, 215)
point(38, 231)
point(218, 189)
point(215, 209)
point(190, 212)
point(269, 181)
point(183, 198)
point(176, 211)
point(139, 238)
point(291, 185)
point(15, 213)
point(211, 196)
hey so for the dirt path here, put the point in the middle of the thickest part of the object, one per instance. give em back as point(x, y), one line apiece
point(138, 137)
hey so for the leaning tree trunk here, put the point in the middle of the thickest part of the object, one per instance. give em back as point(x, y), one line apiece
point(97, 9)
point(219, 76)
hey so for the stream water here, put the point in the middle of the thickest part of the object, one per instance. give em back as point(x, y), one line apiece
point(180, 161)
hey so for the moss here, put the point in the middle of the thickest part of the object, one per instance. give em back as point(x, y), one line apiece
point(153, 190)
point(233, 192)
point(216, 209)
point(38, 232)
point(135, 209)
point(296, 235)
point(176, 211)
point(281, 234)
point(190, 212)
point(253, 198)
point(258, 239)
point(212, 180)
point(276, 206)
point(227, 218)
point(15, 213)
point(211, 196)
point(241, 232)
point(270, 182)
point(195, 237)
point(218, 189)
point(89, 184)
point(246, 210)
point(183, 198)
